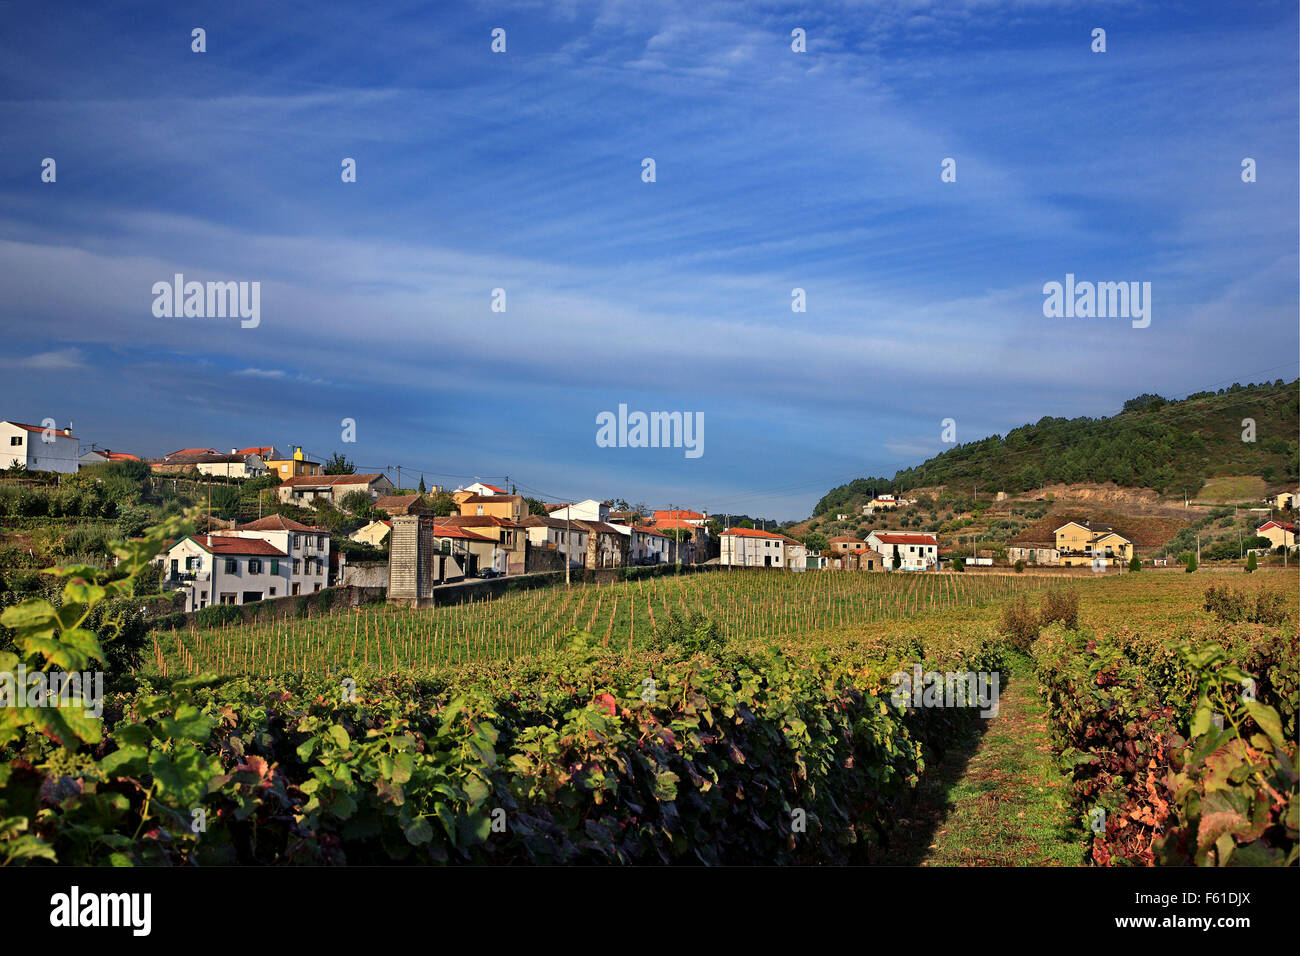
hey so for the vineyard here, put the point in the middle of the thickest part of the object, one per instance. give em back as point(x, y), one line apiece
point(718, 719)
point(751, 606)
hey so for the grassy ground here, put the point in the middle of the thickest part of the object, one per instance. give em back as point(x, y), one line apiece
point(998, 799)
point(1008, 808)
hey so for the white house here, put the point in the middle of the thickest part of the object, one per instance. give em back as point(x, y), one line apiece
point(589, 510)
point(224, 569)
point(307, 549)
point(917, 552)
point(234, 465)
point(305, 488)
point(479, 488)
point(798, 557)
point(39, 449)
point(568, 537)
point(751, 548)
point(649, 546)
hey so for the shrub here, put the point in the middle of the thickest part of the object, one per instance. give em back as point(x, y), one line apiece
point(695, 633)
point(1019, 625)
point(958, 564)
point(1191, 563)
point(1135, 563)
point(1020, 566)
point(1062, 606)
point(215, 615)
point(1252, 563)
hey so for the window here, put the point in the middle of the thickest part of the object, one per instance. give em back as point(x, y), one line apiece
point(275, 567)
point(16, 440)
point(320, 541)
point(232, 567)
point(228, 597)
point(296, 588)
point(296, 563)
point(295, 541)
point(272, 592)
point(254, 565)
point(318, 587)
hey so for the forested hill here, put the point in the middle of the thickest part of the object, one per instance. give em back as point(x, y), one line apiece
point(1170, 446)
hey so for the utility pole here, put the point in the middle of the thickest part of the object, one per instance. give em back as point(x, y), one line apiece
point(1198, 550)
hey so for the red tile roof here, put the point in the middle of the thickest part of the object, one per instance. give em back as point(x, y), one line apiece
point(330, 480)
point(192, 451)
point(887, 538)
point(674, 524)
point(678, 516)
point(259, 451)
point(478, 521)
point(751, 533)
point(37, 428)
point(228, 544)
point(846, 537)
point(280, 523)
point(452, 531)
point(1285, 526)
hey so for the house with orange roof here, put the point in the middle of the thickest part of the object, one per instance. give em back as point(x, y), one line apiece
point(307, 548)
point(1279, 533)
point(224, 569)
point(293, 466)
point(102, 456)
point(39, 448)
point(751, 548)
point(912, 552)
point(304, 489)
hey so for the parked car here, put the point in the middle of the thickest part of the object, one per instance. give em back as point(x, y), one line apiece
point(488, 573)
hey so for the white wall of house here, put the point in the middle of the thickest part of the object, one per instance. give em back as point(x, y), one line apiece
point(246, 466)
point(572, 542)
point(752, 552)
point(225, 579)
point(915, 557)
point(39, 450)
point(308, 557)
point(589, 510)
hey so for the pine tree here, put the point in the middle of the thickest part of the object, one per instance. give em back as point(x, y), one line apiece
point(423, 489)
point(1135, 563)
point(1251, 562)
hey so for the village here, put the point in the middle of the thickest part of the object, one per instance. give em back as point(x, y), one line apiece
point(410, 542)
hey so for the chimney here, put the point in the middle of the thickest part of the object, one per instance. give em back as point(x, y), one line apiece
point(232, 451)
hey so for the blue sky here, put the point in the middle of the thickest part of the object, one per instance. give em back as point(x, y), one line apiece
point(522, 171)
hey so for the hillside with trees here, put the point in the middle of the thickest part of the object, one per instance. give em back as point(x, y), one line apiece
point(1171, 446)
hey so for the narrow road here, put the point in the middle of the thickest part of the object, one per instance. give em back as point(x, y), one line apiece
point(1000, 801)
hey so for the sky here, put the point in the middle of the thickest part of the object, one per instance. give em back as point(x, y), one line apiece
point(522, 170)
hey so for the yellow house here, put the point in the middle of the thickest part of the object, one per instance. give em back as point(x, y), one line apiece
point(1285, 500)
point(299, 464)
point(372, 534)
point(1278, 532)
point(509, 507)
point(1079, 543)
